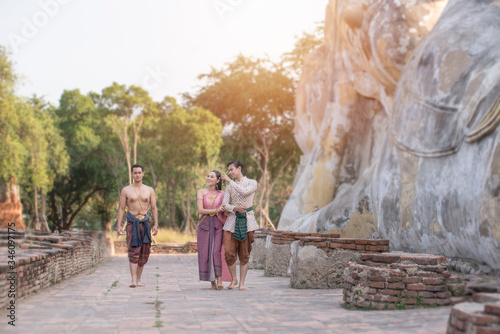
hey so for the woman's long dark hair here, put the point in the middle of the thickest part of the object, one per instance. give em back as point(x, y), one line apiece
point(218, 175)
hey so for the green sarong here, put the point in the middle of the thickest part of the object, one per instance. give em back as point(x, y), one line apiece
point(240, 226)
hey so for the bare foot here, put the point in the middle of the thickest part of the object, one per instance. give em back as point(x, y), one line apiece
point(220, 287)
point(140, 285)
point(133, 285)
point(242, 287)
point(214, 286)
point(233, 283)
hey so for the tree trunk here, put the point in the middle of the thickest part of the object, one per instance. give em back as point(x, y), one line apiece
point(136, 135)
point(54, 210)
point(43, 213)
point(37, 221)
point(153, 176)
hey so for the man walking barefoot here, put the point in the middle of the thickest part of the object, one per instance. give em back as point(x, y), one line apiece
point(137, 197)
point(240, 224)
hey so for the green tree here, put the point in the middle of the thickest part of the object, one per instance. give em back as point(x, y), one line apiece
point(80, 123)
point(125, 107)
point(47, 156)
point(255, 100)
point(294, 60)
point(178, 146)
point(32, 151)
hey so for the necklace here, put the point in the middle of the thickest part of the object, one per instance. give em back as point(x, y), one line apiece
point(211, 196)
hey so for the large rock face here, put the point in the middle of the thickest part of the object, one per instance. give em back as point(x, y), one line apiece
point(397, 117)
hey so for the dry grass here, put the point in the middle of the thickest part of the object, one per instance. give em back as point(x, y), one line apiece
point(164, 235)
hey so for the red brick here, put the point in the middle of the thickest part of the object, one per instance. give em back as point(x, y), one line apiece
point(437, 288)
point(492, 308)
point(443, 295)
point(408, 267)
point(361, 241)
point(410, 301)
point(412, 280)
point(377, 248)
point(348, 246)
point(396, 286)
point(393, 279)
point(376, 285)
point(392, 299)
point(280, 242)
point(427, 274)
point(426, 261)
point(409, 293)
point(377, 242)
point(416, 287)
point(433, 281)
point(347, 240)
point(390, 292)
point(457, 323)
point(373, 264)
point(367, 257)
point(483, 297)
point(360, 247)
point(396, 273)
point(407, 257)
point(334, 245)
point(377, 278)
point(316, 239)
point(439, 302)
point(426, 294)
point(487, 330)
point(385, 258)
point(375, 298)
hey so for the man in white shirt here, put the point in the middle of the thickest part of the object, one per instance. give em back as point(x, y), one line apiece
point(240, 224)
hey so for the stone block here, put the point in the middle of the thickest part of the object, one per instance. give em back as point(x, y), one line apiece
point(492, 308)
point(483, 297)
point(278, 258)
point(258, 255)
point(316, 268)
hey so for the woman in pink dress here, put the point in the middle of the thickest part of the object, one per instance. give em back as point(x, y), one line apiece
point(209, 233)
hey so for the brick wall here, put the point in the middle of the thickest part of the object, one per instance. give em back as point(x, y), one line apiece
point(398, 281)
point(479, 316)
point(45, 259)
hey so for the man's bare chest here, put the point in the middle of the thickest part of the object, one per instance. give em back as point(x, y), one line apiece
point(134, 197)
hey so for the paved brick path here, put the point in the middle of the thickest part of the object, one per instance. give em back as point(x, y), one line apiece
point(175, 299)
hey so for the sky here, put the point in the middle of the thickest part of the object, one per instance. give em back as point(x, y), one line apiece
point(160, 45)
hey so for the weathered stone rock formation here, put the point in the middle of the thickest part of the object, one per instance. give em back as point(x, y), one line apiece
point(397, 117)
point(258, 255)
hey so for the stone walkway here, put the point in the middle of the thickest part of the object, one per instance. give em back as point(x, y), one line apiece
point(174, 301)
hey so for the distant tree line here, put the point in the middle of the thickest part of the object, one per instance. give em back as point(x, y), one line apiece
point(71, 160)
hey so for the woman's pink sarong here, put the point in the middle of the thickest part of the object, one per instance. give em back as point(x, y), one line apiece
point(211, 262)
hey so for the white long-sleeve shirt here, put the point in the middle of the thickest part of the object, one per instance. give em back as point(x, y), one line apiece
point(240, 193)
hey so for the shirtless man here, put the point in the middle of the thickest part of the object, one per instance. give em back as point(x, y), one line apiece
point(137, 197)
